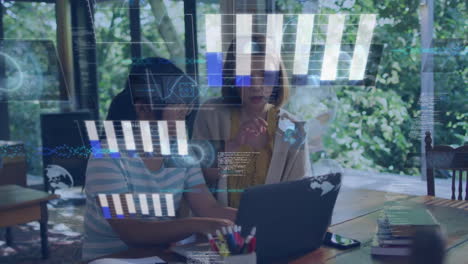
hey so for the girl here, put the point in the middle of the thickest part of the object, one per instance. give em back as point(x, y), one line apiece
point(149, 82)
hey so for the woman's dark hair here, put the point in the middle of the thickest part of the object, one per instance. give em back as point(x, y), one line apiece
point(122, 106)
point(230, 92)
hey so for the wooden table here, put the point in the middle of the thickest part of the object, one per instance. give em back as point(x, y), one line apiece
point(19, 205)
point(355, 216)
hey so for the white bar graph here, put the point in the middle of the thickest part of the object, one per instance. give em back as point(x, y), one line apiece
point(111, 138)
point(128, 135)
point(243, 44)
point(332, 47)
point(103, 200)
point(181, 138)
point(92, 131)
point(274, 38)
point(304, 32)
point(130, 203)
point(143, 204)
point(170, 204)
point(275, 25)
point(164, 138)
point(367, 24)
point(117, 205)
point(122, 211)
point(146, 136)
point(157, 204)
point(213, 33)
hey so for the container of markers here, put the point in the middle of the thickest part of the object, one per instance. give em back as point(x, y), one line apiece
point(232, 247)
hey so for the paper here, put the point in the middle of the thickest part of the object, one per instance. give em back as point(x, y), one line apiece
point(150, 260)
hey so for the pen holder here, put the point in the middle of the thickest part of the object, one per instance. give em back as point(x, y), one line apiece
point(250, 258)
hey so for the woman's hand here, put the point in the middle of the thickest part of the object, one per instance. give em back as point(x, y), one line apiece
point(205, 225)
point(248, 132)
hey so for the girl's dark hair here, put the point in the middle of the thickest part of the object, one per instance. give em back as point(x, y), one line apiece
point(230, 92)
point(122, 106)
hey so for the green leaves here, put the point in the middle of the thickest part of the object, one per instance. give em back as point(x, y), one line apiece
point(368, 132)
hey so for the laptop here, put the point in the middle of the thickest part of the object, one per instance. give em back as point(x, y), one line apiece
point(291, 218)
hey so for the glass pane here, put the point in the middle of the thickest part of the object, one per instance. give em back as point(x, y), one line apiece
point(112, 28)
point(162, 30)
point(366, 118)
point(450, 73)
point(30, 55)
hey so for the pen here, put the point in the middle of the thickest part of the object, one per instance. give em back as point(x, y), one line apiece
point(231, 240)
point(253, 231)
point(253, 241)
point(236, 239)
point(223, 248)
point(253, 244)
point(241, 239)
point(250, 242)
point(244, 248)
point(212, 243)
point(237, 234)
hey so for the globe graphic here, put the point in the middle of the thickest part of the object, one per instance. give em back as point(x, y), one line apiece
point(58, 177)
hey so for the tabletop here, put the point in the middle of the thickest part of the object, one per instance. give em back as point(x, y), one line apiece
point(355, 216)
point(14, 196)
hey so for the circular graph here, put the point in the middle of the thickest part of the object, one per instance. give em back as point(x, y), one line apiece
point(15, 75)
point(32, 70)
point(201, 154)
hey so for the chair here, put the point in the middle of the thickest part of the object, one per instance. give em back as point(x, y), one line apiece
point(64, 147)
point(446, 157)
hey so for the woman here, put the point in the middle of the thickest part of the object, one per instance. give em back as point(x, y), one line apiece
point(250, 119)
point(138, 174)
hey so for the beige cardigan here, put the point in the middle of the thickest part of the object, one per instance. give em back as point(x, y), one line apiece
point(287, 162)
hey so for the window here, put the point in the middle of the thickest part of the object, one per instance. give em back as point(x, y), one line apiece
point(29, 50)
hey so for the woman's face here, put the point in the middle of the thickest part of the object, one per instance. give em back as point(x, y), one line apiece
point(257, 95)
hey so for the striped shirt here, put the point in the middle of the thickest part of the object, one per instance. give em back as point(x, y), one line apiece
point(126, 175)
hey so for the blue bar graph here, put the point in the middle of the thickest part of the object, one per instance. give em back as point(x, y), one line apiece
point(214, 68)
point(132, 153)
point(106, 212)
point(300, 79)
point(115, 155)
point(271, 78)
point(242, 80)
point(96, 147)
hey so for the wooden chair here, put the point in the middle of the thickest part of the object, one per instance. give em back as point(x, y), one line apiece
point(448, 158)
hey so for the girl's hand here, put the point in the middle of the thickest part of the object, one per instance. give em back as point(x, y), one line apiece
point(205, 225)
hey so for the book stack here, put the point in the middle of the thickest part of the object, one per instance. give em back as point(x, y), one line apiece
point(397, 226)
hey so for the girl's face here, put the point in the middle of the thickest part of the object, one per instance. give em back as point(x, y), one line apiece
point(257, 95)
point(169, 113)
point(175, 112)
